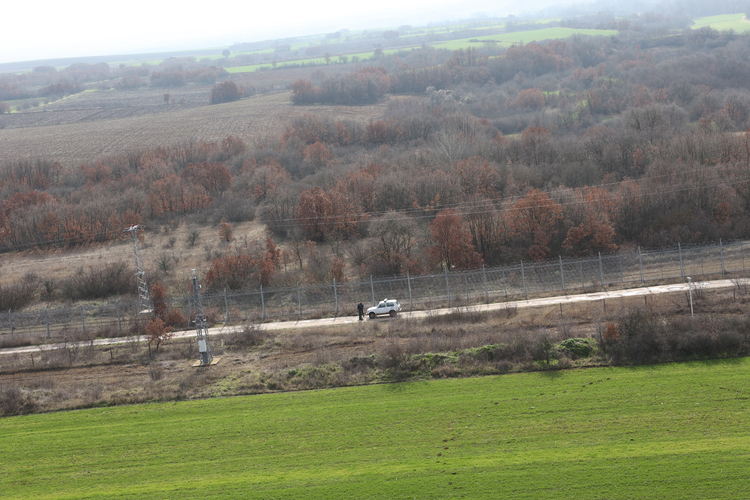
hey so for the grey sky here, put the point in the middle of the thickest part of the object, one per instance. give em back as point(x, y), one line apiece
point(51, 29)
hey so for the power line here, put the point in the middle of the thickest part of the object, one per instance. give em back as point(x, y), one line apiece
point(463, 208)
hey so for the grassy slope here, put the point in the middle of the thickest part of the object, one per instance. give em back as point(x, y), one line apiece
point(667, 431)
point(735, 22)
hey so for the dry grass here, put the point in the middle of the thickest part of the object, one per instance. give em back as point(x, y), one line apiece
point(62, 263)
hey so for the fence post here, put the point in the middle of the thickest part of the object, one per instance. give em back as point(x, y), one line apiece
point(10, 320)
point(447, 285)
point(682, 270)
point(742, 255)
point(580, 269)
point(505, 284)
point(484, 280)
point(523, 278)
point(640, 261)
point(299, 304)
point(562, 276)
point(408, 282)
point(721, 251)
point(372, 289)
point(262, 305)
point(46, 320)
point(226, 308)
point(661, 268)
point(83, 321)
point(466, 284)
point(190, 309)
point(622, 275)
point(119, 323)
point(601, 270)
point(335, 296)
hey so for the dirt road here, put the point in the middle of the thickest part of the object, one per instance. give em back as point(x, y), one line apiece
point(346, 320)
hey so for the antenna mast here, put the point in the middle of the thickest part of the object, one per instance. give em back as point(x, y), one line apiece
point(140, 273)
point(201, 329)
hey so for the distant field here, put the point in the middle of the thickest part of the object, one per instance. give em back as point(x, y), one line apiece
point(519, 37)
point(312, 61)
point(101, 123)
point(505, 40)
point(666, 431)
point(736, 22)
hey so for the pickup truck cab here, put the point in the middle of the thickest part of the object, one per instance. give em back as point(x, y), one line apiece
point(387, 306)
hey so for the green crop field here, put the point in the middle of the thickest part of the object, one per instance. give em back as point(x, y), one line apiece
point(736, 22)
point(505, 40)
point(666, 431)
point(522, 37)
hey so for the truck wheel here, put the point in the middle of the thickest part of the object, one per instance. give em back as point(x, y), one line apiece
point(392, 314)
point(372, 315)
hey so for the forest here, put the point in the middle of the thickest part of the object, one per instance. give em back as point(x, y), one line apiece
point(483, 156)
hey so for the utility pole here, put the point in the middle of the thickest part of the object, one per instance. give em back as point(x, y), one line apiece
point(201, 329)
point(140, 273)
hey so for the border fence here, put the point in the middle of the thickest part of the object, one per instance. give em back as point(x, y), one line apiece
point(448, 289)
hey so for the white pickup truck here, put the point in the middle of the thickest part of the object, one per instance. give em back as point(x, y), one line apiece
point(387, 306)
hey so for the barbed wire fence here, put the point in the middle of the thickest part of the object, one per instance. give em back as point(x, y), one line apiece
point(447, 289)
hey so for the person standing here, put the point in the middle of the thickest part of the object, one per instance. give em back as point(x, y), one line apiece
point(361, 309)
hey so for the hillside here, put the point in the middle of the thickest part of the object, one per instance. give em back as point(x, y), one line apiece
point(412, 161)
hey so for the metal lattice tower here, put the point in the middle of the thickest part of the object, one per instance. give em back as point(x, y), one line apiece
point(140, 273)
point(201, 329)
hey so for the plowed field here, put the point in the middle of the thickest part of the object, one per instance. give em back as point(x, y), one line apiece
point(89, 125)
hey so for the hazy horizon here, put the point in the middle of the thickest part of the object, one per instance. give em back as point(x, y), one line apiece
point(91, 31)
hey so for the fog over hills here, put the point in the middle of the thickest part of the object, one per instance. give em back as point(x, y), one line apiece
point(58, 33)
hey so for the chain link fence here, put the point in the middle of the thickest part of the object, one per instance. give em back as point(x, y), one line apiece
point(449, 289)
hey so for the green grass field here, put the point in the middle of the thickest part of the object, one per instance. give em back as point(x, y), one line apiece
point(504, 40)
point(726, 22)
point(666, 431)
point(523, 37)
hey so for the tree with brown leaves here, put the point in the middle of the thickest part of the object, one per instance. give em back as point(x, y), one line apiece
point(451, 242)
point(534, 218)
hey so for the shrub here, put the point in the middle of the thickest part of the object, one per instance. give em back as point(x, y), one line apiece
point(394, 359)
point(157, 332)
point(249, 336)
point(529, 98)
point(60, 89)
point(13, 401)
point(19, 295)
point(98, 282)
point(226, 92)
point(445, 371)
point(515, 352)
point(175, 318)
point(358, 364)
point(563, 363)
point(129, 82)
point(192, 237)
point(576, 348)
point(155, 371)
